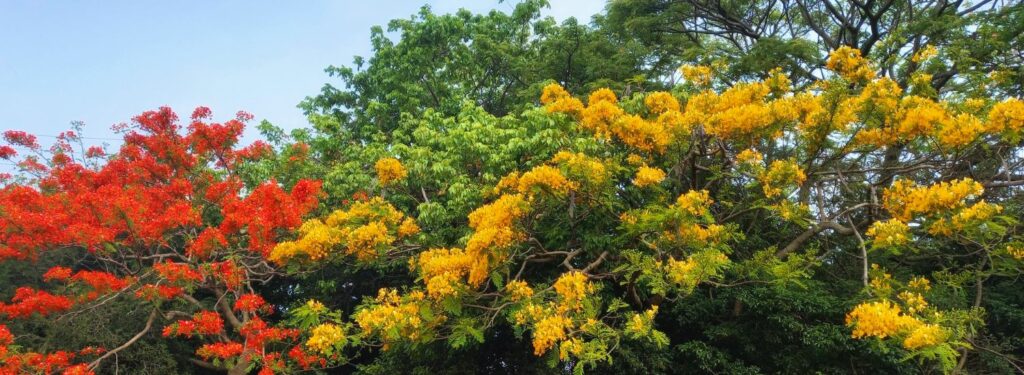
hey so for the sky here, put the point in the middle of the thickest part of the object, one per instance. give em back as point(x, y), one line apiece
point(102, 62)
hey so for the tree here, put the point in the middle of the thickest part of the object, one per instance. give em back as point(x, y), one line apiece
point(164, 226)
point(881, 213)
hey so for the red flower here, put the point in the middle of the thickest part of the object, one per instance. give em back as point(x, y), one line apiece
point(209, 241)
point(20, 138)
point(305, 359)
point(220, 350)
point(251, 303)
point(152, 292)
point(28, 301)
point(177, 272)
point(7, 152)
point(57, 273)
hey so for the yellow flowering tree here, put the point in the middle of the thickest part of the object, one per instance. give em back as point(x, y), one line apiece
point(588, 226)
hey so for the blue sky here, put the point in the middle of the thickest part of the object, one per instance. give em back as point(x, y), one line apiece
point(102, 62)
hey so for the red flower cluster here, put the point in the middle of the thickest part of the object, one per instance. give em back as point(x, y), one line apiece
point(100, 282)
point(252, 303)
point(267, 210)
point(150, 292)
point(208, 241)
point(178, 273)
point(306, 360)
point(220, 350)
point(21, 138)
point(28, 301)
point(202, 323)
point(57, 273)
point(257, 333)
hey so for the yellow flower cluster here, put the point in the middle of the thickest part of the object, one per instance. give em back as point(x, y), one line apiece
point(315, 242)
point(573, 287)
point(889, 233)
point(393, 317)
point(688, 273)
point(780, 175)
point(635, 131)
point(641, 324)
point(960, 131)
point(493, 231)
point(648, 176)
point(659, 102)
point(442, 270)
point(324, 337)
point(315, 306)
point(879, 319)
point(904, 199)
point(548, 331)
point(582, 166)
point(1006, 117)
point(920, 116)
point(848, 63)
point(556, 100)
point(599, 116)
point(518, 290)
point(1017, 252)
point(390, 170)
point(925, 53)
point(914, 301)
point(571, 347)
point(545, 177)
point(695, 202)
point(925, 335)
point(699, 75)
point(365, 228)
point(749, 156)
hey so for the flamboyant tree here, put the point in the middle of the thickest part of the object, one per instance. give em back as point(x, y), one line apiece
point(164, 223)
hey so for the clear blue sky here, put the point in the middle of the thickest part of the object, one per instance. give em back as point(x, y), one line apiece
point(102, 62)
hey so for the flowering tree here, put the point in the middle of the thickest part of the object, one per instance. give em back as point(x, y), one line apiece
point(574, 226)
point(164, 223)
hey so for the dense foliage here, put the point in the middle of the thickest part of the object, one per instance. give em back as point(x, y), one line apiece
point(678, 187)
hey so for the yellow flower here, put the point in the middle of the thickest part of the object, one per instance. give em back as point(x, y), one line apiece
point(660, 102)
point(519, 290)
point(961, 131)
point(699, 75)
point(557, 100)
point(365, 242)
point(573, 287)
point(925, 53)
point(889, 233)
point(915, 302)
point(695, 202)
point(442, 270)
point(879, 319)
point(552, 92)
point(549, 331)
point(315, 306)
point(925, 335)
point(641, 134)
point(1017, 252)
point(408, 228)
point(904, 199)
point(325, 337)
point(390, 170)
point(493, 231)
point(848, 63)
point(602, 95)
point(780, 175)
point(1006, 117)
point(648, 176)
point(547, 177)
point(749, 156)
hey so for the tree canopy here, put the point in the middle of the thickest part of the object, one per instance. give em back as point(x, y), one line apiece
point(675, 187)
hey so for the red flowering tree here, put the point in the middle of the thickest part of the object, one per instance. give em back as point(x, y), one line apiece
point(165, 223)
